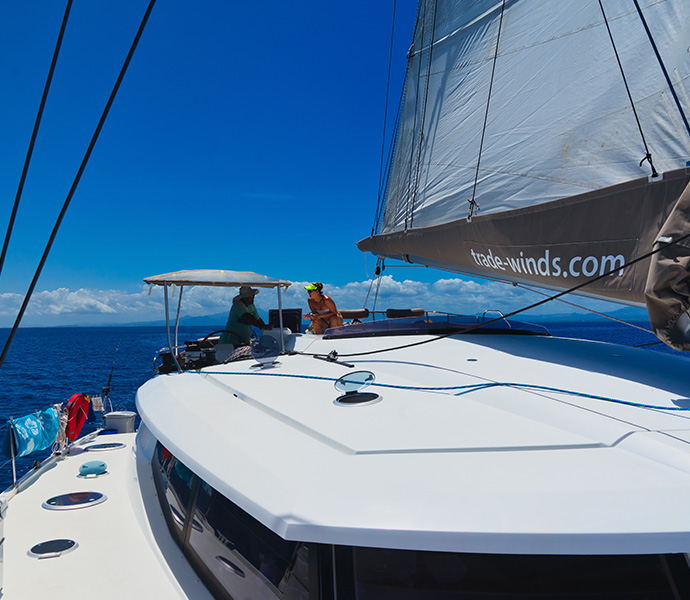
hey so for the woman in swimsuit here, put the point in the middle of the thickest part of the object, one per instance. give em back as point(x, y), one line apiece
point(324, 313)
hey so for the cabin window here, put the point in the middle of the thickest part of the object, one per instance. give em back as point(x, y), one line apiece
point(381, 574)
point(244, 556)
point(233, 553)
point(174, 481)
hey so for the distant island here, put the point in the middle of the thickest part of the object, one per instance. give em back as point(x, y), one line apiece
point(217, 321)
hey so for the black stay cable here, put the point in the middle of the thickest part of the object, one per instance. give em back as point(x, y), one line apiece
point(421, 15)
point(383, 194)
point(663, 67)
point(648, 155)
point(385, 110)
point(37, 123)
point(521, 310)
point(474, 205)
point(77, 178)
point(422, 139)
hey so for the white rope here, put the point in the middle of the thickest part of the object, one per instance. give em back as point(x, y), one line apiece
point(61, 440)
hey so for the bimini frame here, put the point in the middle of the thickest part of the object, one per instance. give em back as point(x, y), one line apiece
point(213, 277)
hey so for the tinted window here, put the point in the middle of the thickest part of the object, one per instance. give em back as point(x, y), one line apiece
point(175, 489)
point(233, 553)
point(247, 559)
point(400, 574)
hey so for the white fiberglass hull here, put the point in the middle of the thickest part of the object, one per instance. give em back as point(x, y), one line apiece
point(497, 468)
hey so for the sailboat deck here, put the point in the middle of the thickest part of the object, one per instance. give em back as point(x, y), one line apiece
point(445, 460)
point(123, 543)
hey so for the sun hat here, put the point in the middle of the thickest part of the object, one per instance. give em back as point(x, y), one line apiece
point(246, 292)
point(317, 285)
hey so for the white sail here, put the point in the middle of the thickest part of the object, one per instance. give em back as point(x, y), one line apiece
point(545, 143)
point(559, 120)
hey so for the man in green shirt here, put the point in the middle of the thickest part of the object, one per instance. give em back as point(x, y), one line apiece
point(243, 315)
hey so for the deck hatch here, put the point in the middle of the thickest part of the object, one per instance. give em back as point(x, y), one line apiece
point(353, 384)
point(52, 548)
point(357, 399)
point(74, 500)
point(103, 447)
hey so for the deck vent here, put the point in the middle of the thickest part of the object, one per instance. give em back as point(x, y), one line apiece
point(74, 500)
point(52, 548)
point(353, 384)
point(93, 468)
point(103, 447)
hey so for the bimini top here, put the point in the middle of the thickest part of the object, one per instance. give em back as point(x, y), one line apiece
point(217, 277)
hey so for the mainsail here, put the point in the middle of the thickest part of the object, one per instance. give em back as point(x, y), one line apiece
point(543, 143)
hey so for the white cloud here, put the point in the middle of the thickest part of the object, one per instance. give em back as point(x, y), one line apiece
point(93, 307)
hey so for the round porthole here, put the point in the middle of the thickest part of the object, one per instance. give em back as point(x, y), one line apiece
point(74, 500)
point(103, 447)
point(52, 548)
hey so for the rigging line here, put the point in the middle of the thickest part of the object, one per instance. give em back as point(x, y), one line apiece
point(648, 155)
point(591, 310)
point(383, 191)
point(34, 134)
point(663, 67)
point(473, 202)
point(461, 389)
point(526, 308)
point(378, 284)
point(377, 271)
point(385, 111)
point(515, 284)
point(422, 141)
point(75, 183)
point(421, 14)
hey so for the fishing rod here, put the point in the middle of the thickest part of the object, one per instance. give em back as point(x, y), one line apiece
point(105, 392)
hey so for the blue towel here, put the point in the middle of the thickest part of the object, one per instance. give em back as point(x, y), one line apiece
point(37, 431)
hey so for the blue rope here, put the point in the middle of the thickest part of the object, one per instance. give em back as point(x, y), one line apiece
point(464, 389)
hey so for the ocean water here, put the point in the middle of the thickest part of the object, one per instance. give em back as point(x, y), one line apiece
point(46, 366)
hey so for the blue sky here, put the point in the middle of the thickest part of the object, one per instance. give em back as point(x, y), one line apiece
point(245, 136)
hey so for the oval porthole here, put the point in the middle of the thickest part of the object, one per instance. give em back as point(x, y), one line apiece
point(74, 500)
point(52, 548)
point(103, 447)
